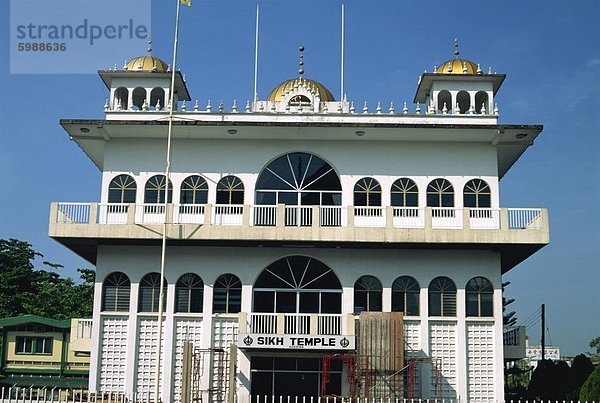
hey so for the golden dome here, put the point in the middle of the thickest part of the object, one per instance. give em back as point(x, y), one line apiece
point(288, 86)
point(147, 64)
point(458, 66)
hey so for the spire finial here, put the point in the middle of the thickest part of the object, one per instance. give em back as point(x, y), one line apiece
point(149, 49)
point(456, 51)
point(301, 62)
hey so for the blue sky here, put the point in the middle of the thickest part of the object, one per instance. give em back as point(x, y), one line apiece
point(550, 51)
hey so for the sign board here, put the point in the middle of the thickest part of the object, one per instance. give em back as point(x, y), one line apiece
point(296, 342)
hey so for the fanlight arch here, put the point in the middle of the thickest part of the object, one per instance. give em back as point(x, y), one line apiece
point(405, 193)
point(297, 284)
point(299, 179)
point(122, 189)
point(440, 193)
point(442, 297)
point(154, 191)
point(149, 294)
point(477, 194)
point(194, 190)
point(368, 292)
point(230, 190)
point(480, 297)
point(367, 192)
point(189, 293)
point(116, 290)
point(227, 294)
point(405, 296)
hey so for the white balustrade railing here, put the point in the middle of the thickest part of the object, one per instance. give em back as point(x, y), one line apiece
point(84, 328)
point(446, 217)
point(369, 216)
point(262, 323)
point(228, 214)
point(333, 216)
point(264, 216)
point(329, 324)
point(484, 218)
point(75, 213)
point(188, 213)
point(296, 323)
point(409, 217)
point(150, 213)
point(524, 218)
point(298, 216)
point(113, 213)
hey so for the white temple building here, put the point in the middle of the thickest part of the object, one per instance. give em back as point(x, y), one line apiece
point(314, 247)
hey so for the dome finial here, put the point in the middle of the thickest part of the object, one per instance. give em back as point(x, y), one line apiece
point(456, 51)
point(301, 62)
point(149, 49)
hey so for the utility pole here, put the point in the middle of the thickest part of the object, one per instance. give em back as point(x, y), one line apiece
point(543, 331)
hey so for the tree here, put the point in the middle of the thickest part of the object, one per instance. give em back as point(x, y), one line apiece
point(595, 353)
point(26, 290)
point(508, 319)
point(581, 368)
point(590, 391)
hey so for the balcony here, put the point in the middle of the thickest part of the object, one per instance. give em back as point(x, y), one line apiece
point(78, 223)
point(296, 331)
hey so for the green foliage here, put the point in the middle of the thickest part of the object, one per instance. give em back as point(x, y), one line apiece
point(590, 391)
point(27, 290)
point(595, 353)
point(557, 381)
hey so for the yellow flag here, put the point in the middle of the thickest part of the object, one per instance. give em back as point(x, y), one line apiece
point(186, 2)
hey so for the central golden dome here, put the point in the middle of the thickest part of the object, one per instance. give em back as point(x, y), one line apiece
point(458, 66)
point(288, 87)
point(146, 64)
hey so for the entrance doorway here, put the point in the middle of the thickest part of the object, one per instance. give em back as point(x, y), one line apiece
point(292, 376)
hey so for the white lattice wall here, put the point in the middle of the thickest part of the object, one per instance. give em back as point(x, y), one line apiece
point(225, 331)
point(480, 362)
point(412, 331)
point(442, 348)
point(113, 355)
point(146, 356)
point(186, 330)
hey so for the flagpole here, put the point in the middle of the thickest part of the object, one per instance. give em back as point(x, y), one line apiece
point(161, 307)
point(342, 61)
point(256, 55)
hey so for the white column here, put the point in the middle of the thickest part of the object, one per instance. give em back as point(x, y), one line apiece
point(132, 344)
point(96, 340)
point(498, 345)
point(348, 300)
point(424, 340)
point(169, 346)
point(386, 302)
point(207, 325)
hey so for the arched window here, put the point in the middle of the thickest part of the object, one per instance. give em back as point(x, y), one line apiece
point(367, 192)
point(480, 297)
point(444, 100)
point(481, 101)
point(189, 293)
point(299, 179)
point(405, 193)
point(122, 189)
point(194, 190)
point(121, 98)
point(477, 194)
point(230, 190)
point(405, 296)
point(440, 193)
point(116, 290)
point(442, 297)
point(139, 97)
point(157, 98)
point(463, 99)
point(150, 293)
point(298, 284)
point(368, 292)
point(227, 297)
point(155, 190)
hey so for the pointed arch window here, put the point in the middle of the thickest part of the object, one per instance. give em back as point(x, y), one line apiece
point(230, 190)
point(477, 194)
point(405, 193)
point(440, 193)
point(122, 189)
point(227, 294)
point(367, 193)
point(116, 290)
point(154, 192)
point(297, 284)
point(194, 190)
point(368, 292)
point(150, 293)
point(442, 297)
point(480, 297)
point(405, 296)
point(189, 293)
